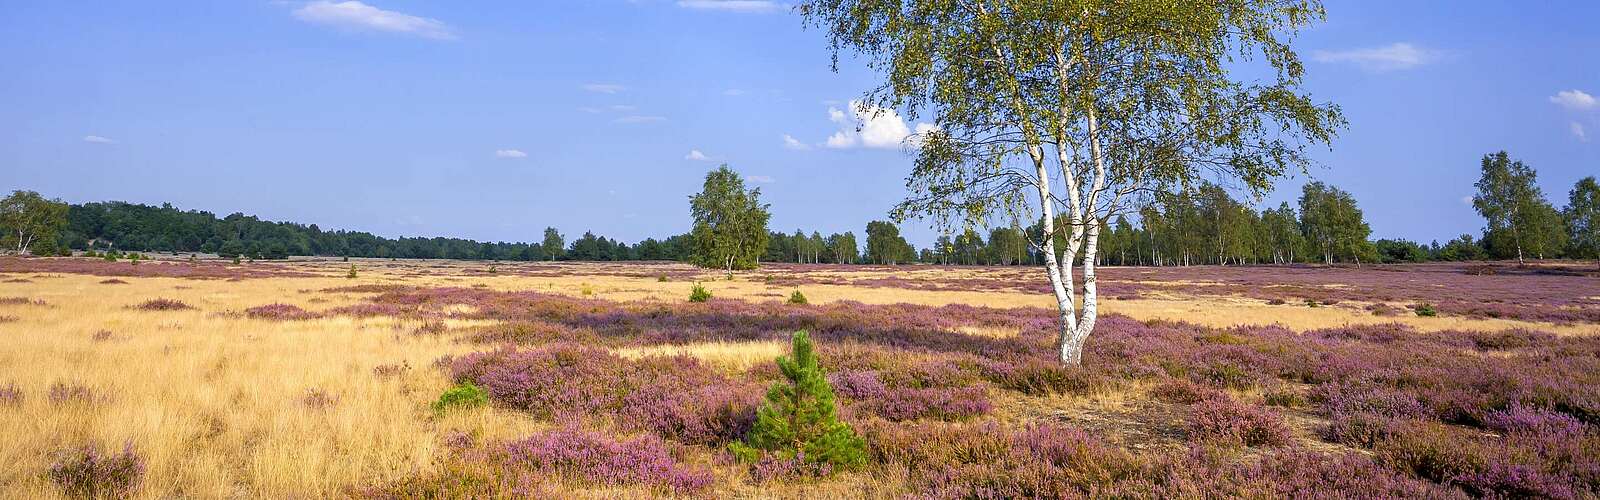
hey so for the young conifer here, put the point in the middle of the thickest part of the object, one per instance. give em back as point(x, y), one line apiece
point(799, 421)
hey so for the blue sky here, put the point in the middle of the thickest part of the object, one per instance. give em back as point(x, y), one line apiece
point(491, 120)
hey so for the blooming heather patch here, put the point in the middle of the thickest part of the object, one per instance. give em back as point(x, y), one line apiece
point(1226, 421)
point(89, 472)
point(162, 305)
point(10, 395)
point(64, 393)
point(591, 457)
point(279, 312)
point(673, 396)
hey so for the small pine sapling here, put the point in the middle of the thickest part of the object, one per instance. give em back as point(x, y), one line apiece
point(797, 298)
point(699, 294)
point(799, 421)
point(352, 273)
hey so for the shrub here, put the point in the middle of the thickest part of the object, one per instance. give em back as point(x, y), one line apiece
point(350, 275)
point(798, 420)
point(797, 298)
point(88, 472)
point(278, 312)
point(162, 305)
point(1285, 397)
point(596, 458)
point(662, 278)
point(1426, 310)
point(675, 397)
point(1182, 391)
point(1225, 421)
point(699, 294)
point(1039, 377)
point(463, 395)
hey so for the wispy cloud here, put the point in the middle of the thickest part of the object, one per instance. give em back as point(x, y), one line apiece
point(640, 119)
point(97, 139)
point(354, 15)
point(603, 88)
point(760, 178)
point(733, 92)
point(1577, 131)
point(1396, 56)
point(510, 153)
point(789, 142)
point(1576, 100)
point(696, 155)
point(747, 6)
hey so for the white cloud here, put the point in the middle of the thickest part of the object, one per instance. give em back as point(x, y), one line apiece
point(640, 119)
point(603, 88)
point(621, 107)
point(510, 153)
point(1395, 56)
point(97, 139)
point(731, 5)
point(1466, 200)
point(760, 178)
point(696, 155)
point(789, 142)
point(870, 126)
point(1577, 131)
point(1574, 99)
point(354, 15)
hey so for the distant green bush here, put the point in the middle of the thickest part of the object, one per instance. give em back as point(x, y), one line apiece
point(1426, 310)
point(699, 294)
point(463, 395)
point(797, 298)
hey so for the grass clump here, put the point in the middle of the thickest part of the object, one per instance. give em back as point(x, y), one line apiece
point(699, 294)
point(352, 273)
point(463, 395)
point(799, 420)
point(797, 298)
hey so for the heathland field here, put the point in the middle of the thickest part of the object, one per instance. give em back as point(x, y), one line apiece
point(321, 378)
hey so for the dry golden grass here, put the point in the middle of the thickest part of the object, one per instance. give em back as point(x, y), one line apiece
point(217, 402)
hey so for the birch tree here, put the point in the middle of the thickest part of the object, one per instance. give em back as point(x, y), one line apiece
point(730, 222)
point(1583, 219)
point(1508, 200)
point(1073, 107)
point(28, 218)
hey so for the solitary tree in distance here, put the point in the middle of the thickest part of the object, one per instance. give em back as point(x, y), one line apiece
point(554, 245)
point(28, 218)
point(1508, 200)
point(730, 222)
point(1075, 106)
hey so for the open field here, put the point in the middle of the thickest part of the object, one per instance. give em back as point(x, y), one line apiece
point(294, 380)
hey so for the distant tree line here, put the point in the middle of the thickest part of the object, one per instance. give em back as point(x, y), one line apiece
point(1204, 225)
